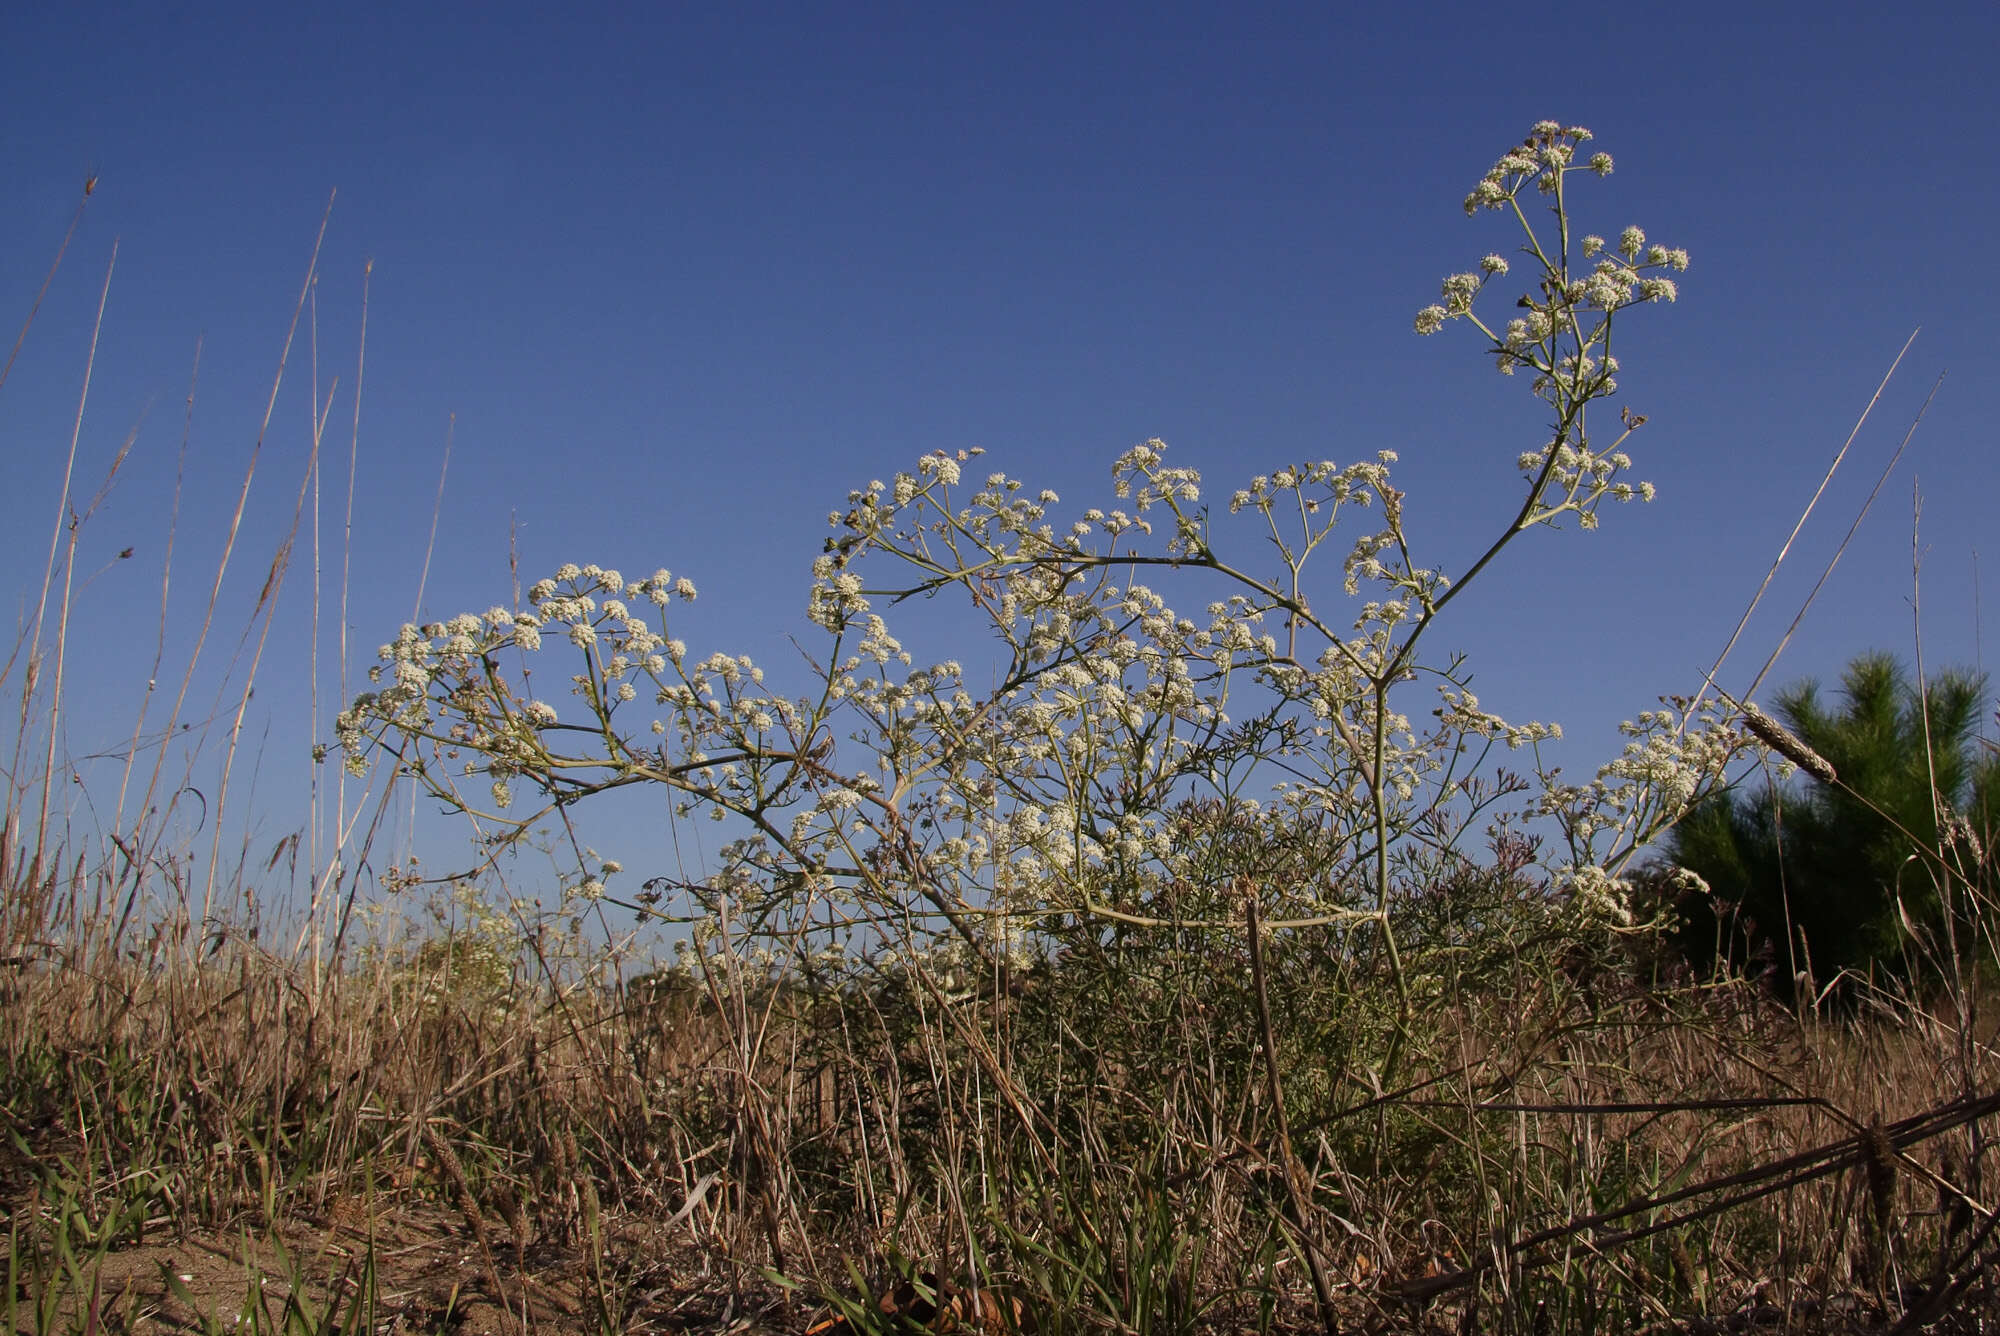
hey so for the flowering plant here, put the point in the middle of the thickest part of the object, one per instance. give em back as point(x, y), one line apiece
point(1124, 738)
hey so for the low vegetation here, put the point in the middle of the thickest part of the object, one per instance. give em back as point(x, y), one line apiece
point(1179, 979)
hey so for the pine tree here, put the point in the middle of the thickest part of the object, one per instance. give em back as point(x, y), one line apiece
point(1809, 873)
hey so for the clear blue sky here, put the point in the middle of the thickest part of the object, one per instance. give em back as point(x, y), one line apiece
point(685, 279)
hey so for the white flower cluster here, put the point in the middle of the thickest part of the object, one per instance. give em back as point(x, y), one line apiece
point(1675, 756)
point(1595, 895)
point(445, 684)
point(1540, 160)
point(1461, 712)
point(1563, 333)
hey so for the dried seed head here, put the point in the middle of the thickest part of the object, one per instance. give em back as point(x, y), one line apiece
point(1958, 833)
point(1787, 744)
point(1881, 1155)
point(1878, 1154)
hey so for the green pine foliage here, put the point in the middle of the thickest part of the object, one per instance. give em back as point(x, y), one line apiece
point(1807, 875)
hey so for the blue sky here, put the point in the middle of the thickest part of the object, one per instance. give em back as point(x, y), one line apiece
point(683, 279)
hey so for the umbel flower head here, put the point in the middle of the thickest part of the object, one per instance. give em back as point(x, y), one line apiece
point(1547, 152)
point(1544, 159)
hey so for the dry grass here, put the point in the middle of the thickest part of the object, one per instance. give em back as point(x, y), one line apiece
point(579, 1158)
